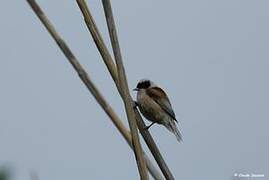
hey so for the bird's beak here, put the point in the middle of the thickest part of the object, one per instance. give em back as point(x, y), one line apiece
point(135, 89)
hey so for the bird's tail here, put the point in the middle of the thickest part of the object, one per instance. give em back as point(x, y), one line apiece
point(171, 126)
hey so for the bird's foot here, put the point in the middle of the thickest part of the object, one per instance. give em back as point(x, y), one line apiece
point(135, 104)
point(147, 127)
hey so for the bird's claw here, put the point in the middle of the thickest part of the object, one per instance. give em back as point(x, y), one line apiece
point(146, 127)
point(135, 104)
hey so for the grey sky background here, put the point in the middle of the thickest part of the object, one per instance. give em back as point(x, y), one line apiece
point(210, 56)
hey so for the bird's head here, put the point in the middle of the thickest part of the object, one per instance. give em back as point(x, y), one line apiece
point(143, 84)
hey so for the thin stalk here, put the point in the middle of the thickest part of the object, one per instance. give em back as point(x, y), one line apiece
point(127, 99)
point(113, 72)
point(89, 84)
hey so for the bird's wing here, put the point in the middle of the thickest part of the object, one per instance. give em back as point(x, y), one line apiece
point(160, 97)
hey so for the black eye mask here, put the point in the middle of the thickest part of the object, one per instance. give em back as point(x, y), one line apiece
point(143, 85)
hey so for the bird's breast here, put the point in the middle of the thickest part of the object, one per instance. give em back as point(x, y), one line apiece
point(149, 108)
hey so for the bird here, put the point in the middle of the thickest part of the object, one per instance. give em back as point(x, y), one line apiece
point(155, 106)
